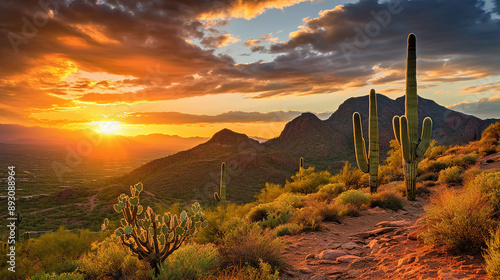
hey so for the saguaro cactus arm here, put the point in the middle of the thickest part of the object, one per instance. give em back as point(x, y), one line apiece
point(426, 138)
point(359, 143)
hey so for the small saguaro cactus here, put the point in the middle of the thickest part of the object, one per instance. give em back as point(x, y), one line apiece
point(368, 163)
point(154, 237)
point(19, 219)
point(406, 126)
point(301, 163)
point(222, 196)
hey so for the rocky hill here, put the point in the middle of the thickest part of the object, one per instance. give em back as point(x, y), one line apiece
point(326, 144)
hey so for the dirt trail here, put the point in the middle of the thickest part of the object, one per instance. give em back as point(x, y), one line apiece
point(381, 244)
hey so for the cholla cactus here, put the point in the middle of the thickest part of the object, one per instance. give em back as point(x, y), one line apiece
point(406, 127)
point(222, 197)
point(368, 164)
point(154, 237)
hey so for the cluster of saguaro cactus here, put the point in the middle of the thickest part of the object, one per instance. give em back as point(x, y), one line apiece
point(222, 196)
point(154, 237)
point(368, 163)
point(406, 126)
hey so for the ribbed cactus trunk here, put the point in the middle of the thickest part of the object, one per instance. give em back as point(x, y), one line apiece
point(406, 127)
point(368, 164)
point(410, 170)
point(223, 186)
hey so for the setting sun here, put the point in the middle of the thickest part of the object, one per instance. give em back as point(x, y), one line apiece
point(108, 127)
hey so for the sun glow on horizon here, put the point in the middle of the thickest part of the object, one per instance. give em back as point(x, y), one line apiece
point(108, 127)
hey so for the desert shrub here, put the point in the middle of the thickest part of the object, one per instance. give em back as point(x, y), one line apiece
point(350, 210)
point(429, 177)
point(110, 258)
point(260, 212)
point(333, 189)
point(308, 218)
point(247, 272)
point(489, 184)
point(458, 220)
point(250, 246)
point(438, 165)
point(352, 178)
point(355, 197)
point(328, 211)
point(189, 262)
point(308, 181)
point(492, 255)
point(278, 217)
point(492, 132)
point(470, 174)
point(394, 163)
point(436, 151)
point(54, 276)
point(451, 175)
point(288, 229)
point(269, 193)
point(289, 199)
point(387, 200)
point(57, 251)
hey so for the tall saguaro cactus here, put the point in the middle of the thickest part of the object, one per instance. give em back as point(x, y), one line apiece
point(222, 197)
point(406, 126)
point(368, 163)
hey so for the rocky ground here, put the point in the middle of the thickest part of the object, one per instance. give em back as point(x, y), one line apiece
point(381, 244)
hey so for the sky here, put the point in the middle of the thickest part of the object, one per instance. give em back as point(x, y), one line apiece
point(193, 67)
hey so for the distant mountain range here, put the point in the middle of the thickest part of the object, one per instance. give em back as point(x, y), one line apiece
point(102, 144)
point(194, 174)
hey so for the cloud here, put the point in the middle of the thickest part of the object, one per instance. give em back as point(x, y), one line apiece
point(269, 38)
point(176, 118)
point(486, 107)
point(481, 88)
point(251, 42)
point(218, 41)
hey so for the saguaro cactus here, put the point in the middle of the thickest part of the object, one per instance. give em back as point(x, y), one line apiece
point(301, 163)
point(406, 126)
point(368, 163)
point(154, 237)
point(222, 197)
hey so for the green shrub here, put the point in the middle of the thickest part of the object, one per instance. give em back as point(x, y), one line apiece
point(458, 220)
point(394, 163)
point(333, 189)
point(308, 218)
point(260, 212)
point(308, 181)
point(329, 212)
point(451, 175)
point(355, 197)
point(387, 200)
point(250, 246)
point(57, 251)
point(53, 276)
point(189, 262)
point(350, 210)
point(269, 193)
point(263, 272)
point(489, 184)
point(353, 178)
point(436, 151)
point(110, 258)
point(429, 177)
point(278, 217)
point(492, 255)
point(288, 229)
